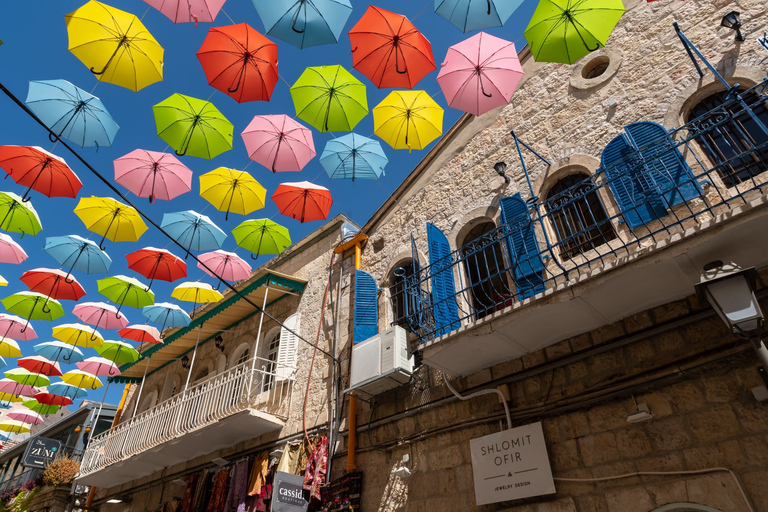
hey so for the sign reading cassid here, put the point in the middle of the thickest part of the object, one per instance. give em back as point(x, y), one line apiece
point(288, 494)
point(511, 464)
point(40, 452)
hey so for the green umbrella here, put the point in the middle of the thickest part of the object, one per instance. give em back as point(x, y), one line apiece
point(28, 378)
point(262, 236)
point(33, 306)
point(566, 30)
point(329, 98)
point(34, 405)
point(118, 352)
point(192, 126)
point(18, 216)
point(126, 291)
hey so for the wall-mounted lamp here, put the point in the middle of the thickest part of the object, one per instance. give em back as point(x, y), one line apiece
point(78, 429)
point(732, 20)
point(501, 170)
point(184, 361)
point(219, 342)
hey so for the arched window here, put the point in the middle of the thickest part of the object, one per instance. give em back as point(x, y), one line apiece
point(147, 403)
point(484, 265)
point(577, 215)
point(397, 279)
point(730, 143)
point(240, 355)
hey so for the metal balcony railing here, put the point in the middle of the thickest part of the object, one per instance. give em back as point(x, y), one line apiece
point(647, 191)
point(254, 384)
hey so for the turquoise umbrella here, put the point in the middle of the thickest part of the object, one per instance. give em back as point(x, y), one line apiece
point(353, 157)
point(469, 15)
point(304, 23)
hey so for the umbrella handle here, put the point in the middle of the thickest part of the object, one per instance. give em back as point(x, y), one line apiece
point(67, 358)
point(109, 61)
point(296, 18)
point(397, 64)
point(254, 257)
point(489, 7)
point(52, 137)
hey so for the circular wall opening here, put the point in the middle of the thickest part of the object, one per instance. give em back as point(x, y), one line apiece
point(595, 67)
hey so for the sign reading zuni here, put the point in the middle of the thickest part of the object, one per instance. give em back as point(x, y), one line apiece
point(40, 452)
point(511, 465)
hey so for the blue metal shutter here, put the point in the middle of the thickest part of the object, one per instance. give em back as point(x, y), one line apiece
point(522, 247)
point(366, 306)
point(669, 171)
point(632, 187)
point(446, 311)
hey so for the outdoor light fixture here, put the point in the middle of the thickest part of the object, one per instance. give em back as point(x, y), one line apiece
point(114, 500)
point(184, 361)
point(732, 20)
point(501, 170)
point(730, 290)
point(219, 342)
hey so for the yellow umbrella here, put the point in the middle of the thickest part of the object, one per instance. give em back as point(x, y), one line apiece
point(15, 427)
point(198, 293)
point(9, 348)
point(3, 281)
point(408, 119)
point(81, 379)
point(7, 397)
point(111, 219)
point(79, 335)
point(231, 190)
point(115, 45)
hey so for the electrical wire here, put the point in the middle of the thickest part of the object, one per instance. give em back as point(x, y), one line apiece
point(493, 391)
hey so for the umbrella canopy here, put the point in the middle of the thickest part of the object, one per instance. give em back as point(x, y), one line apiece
point(51, 400)
point(27, 378)
point(303, 201)
point(15, 427)
point(14, 388)
point(7, 398)
point(408, 119)
point(152, 174)
point(63, 389)
point(304, 23)
point(18, 216)
point(480, 74)
point(3, 281)
point(225, 265)
point(99, 367)
point(193, 231)
point(35, 405)
point(166, 314)
point(118, 352)
point(53, 283)
point(126, 291)
point(12, 326)
point(388, 49)
point(11, 251)
point(154, 263)
point(59, 351)
point(71, 113)
point(230, 190)
point(566, 30)
point(262, 236)
point(37, 169)
point(33, 306)
point(9, 348)
point(110, 218)
point(279, 143)
point(77, 253)
point(193, 127)
point(196, 292)
point(470, 15)
point(100, 314)
point(239, 62)
point(81, 379)
point(25, 416)
point(114, 45)
point(76, 334)
point(39, 364)
point(141, 333)
point(329, 98)
point(186, 11)
point(353, 157)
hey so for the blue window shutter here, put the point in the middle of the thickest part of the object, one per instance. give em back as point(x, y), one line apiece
point(522, 247)
point(667, 167)
point(631, 184)
point(366, 306)
point(446, 311)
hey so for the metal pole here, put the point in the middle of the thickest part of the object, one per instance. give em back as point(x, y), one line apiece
point(138, 396)
point(258, 338)
point(102, 405)
point(335, 376)
point(194, 354)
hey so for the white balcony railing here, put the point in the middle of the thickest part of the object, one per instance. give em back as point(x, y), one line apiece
point(265, 388)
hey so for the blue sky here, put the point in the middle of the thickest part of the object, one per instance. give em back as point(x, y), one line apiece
point(35, 48)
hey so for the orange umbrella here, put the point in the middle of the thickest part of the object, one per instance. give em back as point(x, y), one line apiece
point(388, 49)
point(303, 201)
point(37, 169)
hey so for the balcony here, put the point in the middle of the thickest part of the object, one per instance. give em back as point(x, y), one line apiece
point(244, 402)
point(633, 235)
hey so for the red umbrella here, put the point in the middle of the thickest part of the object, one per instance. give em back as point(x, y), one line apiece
point(388, 49)
point(155, 263)
point(39, 364)
point(37, 169)
point(141, 333)
point(51, 399)
point(239, 62)
point(53, 282)
point(303, 201)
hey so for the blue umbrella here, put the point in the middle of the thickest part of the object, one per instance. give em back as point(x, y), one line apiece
point(304, 23)
point(353, 157)
point(59, 351)
point(72, 113)
point(193, 231)
point(77, 253)
point(469, 15)
point(167, 314)
point(4, 436)
point(67, 390)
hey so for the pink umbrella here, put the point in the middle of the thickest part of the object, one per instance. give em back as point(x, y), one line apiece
point(25, 415)
point(185, 11)
point(279, 143)
point(12, 326)
point(100, 314)
point(141, 333)
point(480, 73)
point(10, 251)
point(152, 174)
point(14, 388)
point(227, 265)
point(99, 367)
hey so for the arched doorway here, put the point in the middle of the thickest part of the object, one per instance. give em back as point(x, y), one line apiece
point(485, 267)
point(397, 282)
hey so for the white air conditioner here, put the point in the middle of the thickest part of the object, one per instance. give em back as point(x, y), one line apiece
point(381, 362)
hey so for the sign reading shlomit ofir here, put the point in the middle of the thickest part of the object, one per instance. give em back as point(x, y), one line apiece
point(40, 452)
point(511, 465)
point(288, 493)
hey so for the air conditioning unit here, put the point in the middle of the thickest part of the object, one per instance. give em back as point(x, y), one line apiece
point(381, 362)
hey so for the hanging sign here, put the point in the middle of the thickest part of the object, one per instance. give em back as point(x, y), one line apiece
point(511, 465)
point(40, 452)
point(288, 493)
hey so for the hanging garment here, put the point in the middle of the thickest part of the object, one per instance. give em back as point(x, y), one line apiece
point(265, 496)
point(258, 473)
point(189, 492)
point(314, 476)
point(201, 492)
point(219, 493)
point(289, 462)
point(238, 488)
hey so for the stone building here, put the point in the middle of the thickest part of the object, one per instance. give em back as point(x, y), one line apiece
point(568, 288)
